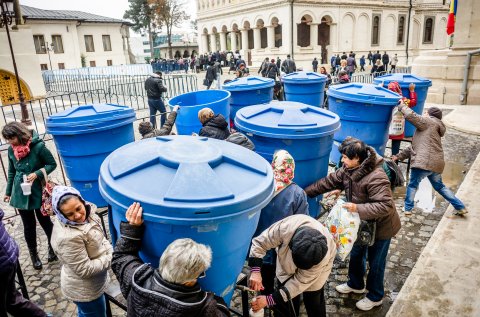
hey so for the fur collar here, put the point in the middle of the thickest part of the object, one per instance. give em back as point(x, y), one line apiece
point(367, 166)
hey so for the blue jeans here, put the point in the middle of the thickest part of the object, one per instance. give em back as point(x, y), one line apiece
point(435, 179)
point(377, 256)
point(95, 308)
point(157, 105)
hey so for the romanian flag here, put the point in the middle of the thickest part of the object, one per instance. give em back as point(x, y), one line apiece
point(451, 17)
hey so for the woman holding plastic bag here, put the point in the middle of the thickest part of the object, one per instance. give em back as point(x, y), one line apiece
point(368, 192)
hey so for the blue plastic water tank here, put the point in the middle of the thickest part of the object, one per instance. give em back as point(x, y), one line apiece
point(187, 118)
point(205, 189)
point(306, 132)
point(247, 91)
point(84, 136)
point(404, 80)
point(365, 111)
point(305, 87)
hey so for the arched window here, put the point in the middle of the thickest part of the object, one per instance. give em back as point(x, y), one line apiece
point(278, 32)
point(303, 31)
point(428, 31)
point(263, 33)
point(401, 30)
point(375, 29)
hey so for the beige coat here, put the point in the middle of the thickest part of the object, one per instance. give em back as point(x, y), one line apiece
point(85, 254)
point(278, 236)
point(426, 151)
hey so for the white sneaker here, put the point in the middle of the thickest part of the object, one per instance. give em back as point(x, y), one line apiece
point(406, 212)
point(366, 304)
point(345, 289)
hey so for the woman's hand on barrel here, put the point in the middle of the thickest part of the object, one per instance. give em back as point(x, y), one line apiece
point(256, 281)
point(134, 214)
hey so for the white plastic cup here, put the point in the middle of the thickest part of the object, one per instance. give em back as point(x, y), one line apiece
point(26, 186)
point(259, 313)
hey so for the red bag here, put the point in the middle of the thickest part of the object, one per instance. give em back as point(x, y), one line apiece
point(48, 185)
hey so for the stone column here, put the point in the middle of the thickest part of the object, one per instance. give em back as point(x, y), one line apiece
point(271, 36)
point(244, 39)
point(223, 41)
point(333, 38)
point(204, 47)
point(313, 35)
point(233, 40)
point(213, 42)
point(256, 39)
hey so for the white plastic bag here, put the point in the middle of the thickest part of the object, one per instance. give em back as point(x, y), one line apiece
point(397, 125)
point(343, 225)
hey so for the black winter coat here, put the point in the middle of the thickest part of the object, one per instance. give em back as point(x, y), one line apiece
point(216, 128)
point(148, 294)
point(8, 249)
point(154, 87)
point(211, 74)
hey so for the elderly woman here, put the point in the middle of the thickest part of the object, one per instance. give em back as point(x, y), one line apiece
point(289, 199)
point(28, 157)
point(83, 249)
point(213, 126)
point(170, 290)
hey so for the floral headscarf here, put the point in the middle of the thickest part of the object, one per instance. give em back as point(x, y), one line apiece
point(283, 170)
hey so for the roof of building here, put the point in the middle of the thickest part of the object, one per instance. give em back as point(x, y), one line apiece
point(31, 13)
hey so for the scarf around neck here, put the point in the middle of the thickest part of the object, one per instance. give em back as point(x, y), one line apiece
point(20, 151)
point(283, 170)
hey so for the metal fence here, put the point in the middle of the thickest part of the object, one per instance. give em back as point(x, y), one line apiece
point(368, 78)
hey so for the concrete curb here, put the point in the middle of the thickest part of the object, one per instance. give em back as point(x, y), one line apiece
point(446, 277)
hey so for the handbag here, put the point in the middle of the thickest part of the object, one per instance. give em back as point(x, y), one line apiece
point(47, 188)
point(206, 82)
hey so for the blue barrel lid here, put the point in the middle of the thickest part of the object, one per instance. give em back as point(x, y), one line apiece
point(249, 83)
point(184, 177)
point(304, 77)
point(365, 93)
point(89, 118)
point(404, 80)
point(287, 119)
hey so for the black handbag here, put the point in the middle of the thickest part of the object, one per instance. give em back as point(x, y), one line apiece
point(205, 82)
point(367, 230)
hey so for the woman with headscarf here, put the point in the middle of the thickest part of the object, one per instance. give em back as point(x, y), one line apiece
point(289, 199)
point(412, 102)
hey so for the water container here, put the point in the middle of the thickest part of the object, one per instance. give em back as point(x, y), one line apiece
point(205, 189)
point(84, 136)
point(365, 111)
point(187, 118)
point(306, 132)
point(305, 87)
point(404, 80)
point(247, 91)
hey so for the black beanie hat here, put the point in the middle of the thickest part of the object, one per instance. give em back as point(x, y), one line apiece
point(309, 247)
point(435, 112)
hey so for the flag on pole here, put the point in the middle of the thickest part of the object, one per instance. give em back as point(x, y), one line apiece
point(451, 17)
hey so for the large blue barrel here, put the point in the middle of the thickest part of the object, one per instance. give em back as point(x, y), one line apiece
point(84, 137)
point(205, 189)
point(365, 111)
point(306, 132)
point(404, 80)
point(247, 91)
point(305, 87)
point(187, 118)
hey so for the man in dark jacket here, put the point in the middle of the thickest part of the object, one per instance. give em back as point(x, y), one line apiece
point(385, 60)
point(370, 58)
point(11, 300)
point(426, 153)
point(170, 290)
point(279, 62)
point(263, 68)
point(368, 193)
point(376, 57)
point(315, 64)
point(288, 65)
point(214, 126)
point(272, 70)
point(344, 55)
point(210, 75)
point(155, 88)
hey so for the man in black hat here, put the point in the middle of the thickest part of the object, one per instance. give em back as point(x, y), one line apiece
point(426, 155)
point(305, 253)
point(155, 88)
point(288, 65)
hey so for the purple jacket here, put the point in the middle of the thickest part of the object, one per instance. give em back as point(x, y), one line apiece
point(8, 248)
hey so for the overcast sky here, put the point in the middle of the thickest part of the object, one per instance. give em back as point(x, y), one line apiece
point(108, 8)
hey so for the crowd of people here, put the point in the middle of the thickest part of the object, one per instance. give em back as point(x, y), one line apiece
point(291, 254)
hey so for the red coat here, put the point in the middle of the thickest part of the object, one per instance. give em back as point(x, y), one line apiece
point(412, 102)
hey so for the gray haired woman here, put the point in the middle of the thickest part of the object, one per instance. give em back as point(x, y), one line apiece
point(170, 290)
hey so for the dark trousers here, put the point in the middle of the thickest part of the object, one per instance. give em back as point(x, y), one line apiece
point(157, 105)
point(377, 256)
point(362, 68)
point(314, 304)
point(12, 301)
point(30, 226)
point(396, 146)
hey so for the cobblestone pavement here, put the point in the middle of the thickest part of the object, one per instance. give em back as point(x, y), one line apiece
point(460, 152)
